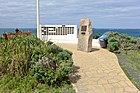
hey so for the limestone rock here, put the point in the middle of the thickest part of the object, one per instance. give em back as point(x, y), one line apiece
point(85, 36)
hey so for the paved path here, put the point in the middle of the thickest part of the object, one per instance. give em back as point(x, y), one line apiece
point(98, 72)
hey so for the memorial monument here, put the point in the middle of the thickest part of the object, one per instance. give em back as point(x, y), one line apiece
point(85, 36)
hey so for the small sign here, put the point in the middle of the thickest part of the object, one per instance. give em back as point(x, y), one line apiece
point(84, 28)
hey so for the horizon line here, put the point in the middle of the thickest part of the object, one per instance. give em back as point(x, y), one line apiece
point(78, 27)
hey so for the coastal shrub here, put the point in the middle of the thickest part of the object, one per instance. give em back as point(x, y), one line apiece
point(96, 36)
point(113, 44)
point(113, 34)
point(64, 55)
point(17, 54)
point(1, 39)
point(49, 43)
point(48, 71)
point(118, 41)
point(54, 68)
point(132, 40)
point(46, 63)
point(53, 49)
point(12, 59)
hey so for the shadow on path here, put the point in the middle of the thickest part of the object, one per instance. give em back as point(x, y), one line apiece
point(75, 77)
point(94, 49)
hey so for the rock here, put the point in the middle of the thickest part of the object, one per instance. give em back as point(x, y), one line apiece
point(85, 36)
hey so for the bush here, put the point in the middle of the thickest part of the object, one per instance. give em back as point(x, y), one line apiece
point(54, 69)
point(132, 40)
point(15, 56)
point(49, 43)
point(96, 36)
point(53, 49)
point(118, 41)
point(29, 56)
point(113, 44)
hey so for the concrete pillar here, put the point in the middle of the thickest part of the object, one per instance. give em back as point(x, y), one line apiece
point(38, 20)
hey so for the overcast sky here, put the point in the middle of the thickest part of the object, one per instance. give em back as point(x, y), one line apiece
point(103, 13)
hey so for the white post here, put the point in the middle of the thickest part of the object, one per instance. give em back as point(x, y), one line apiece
point(38, 19)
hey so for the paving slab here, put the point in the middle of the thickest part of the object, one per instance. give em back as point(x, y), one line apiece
point(98, 72)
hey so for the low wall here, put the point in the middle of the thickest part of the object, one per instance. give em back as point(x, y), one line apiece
point(61, 38)
point(95, 42)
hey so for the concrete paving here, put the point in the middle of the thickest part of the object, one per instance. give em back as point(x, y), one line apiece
point(98, 72)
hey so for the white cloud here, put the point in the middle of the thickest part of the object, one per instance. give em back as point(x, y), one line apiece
point(70, 11)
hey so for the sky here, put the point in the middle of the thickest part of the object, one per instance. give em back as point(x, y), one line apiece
point(103, 13)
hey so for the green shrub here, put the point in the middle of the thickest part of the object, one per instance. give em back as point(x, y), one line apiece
point(63, 55)
point(54, 69)
point(113, 44)
point(113, 40)
point(118, 41)
point(49, 43)
point(96, 36)
point(53, 49)
point(132, 40)
point(29, 56)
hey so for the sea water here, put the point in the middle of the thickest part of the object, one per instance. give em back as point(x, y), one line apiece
point(130, 32)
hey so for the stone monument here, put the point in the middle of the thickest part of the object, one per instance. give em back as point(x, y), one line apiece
point(85, 36)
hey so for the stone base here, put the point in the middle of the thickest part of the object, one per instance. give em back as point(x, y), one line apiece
point(85, 44)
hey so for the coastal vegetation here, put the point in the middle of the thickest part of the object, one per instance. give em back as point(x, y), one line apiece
point(130, 63)
point(96, 36)
point(127, 49)
point(27, 64)
point(118, 42)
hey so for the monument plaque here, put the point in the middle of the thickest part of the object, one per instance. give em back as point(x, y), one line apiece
point(85, 36)
point(83, 29)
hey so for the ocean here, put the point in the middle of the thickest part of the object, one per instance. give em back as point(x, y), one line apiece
point(130, 32)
